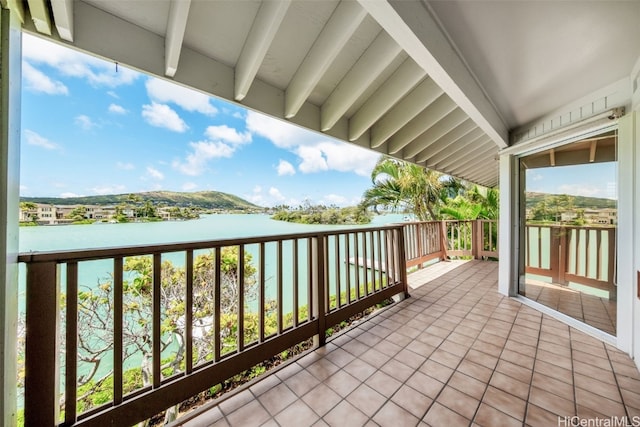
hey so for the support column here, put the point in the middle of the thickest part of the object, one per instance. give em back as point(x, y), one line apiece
point(10, 87)
point(508, 227)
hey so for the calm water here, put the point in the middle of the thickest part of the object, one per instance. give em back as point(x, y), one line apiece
point(209, 227)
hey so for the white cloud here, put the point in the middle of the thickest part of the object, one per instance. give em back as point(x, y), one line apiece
point(125, 166)
point(35, 80)
point(85, 122)
point(117, 109)
point(72, 63)
point(317, 152)
point(113, 94)
point(282, 134)
point(276, 194)
point(582, 190)
point(335, 199)
point(33, 138)
point(163, 91)
point(163, 116)
point(154, 173)
point(227, 134)
point(203, 151)
point(109, 189)
point(69, 194)
point(285, 168)
point(188, 186)
point(312, 159)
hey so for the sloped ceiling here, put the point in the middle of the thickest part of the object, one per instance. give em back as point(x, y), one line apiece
point(438, 84)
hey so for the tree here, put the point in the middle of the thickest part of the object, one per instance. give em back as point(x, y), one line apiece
point(96, 309)
point(400, 185)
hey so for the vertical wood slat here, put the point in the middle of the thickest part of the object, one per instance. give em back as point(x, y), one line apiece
point(611, 268)
point(261, 295)
point(325, 268)
point(365, 261)
point(188, 298)
point(540, 245)
point(41, 404)
point(156, 332)
point(347, 255)
point(279, 286)
point(599, 256)
point(240, 298)
point(319, 288)
point(71, 356)
point(356, 257)
point(577, 253)
point(387, 258)
point(310, 278)
point(217, 348)
point(296, 283)
point(118, 321)
point(587, 251)
point(382, 266)
point(337, 272)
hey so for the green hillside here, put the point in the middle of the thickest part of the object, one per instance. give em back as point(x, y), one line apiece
point(201, 199)
point(579, 202)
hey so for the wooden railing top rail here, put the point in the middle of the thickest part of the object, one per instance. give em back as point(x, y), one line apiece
point(150, 249)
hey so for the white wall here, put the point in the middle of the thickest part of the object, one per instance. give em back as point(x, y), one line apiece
point(635, 129)
point(10, 87)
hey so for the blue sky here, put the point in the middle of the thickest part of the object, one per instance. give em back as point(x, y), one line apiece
point(89, 129)
point(590, 180)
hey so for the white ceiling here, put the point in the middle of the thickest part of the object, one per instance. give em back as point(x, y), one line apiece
point(533, 57)
point(439, 83)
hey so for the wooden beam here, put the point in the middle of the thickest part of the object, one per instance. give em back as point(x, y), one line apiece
point(343, 23)
point(431, 115)
point(63, 18)
point(552, 157)
point(405, 110)
point(264, 29)
point(592, 151)
point(40, 16)
point(395, 88)
point(369, 66)
point(451, 121)
point(176, 26)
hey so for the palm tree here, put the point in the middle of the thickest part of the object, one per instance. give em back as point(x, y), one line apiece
point(397, 185)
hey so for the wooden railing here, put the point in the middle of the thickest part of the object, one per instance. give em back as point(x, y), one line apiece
point(438, 240)
point(305, 284)
point(584, 255)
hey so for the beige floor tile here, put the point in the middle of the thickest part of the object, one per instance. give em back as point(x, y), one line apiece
point(366, 399)
point(392, 414)
point(505, 402)
point(345, 411)
point(459, 402)
point(441, 416)
point(321, 399)
point(251, 414)
point(294, 413)
point(383, 383)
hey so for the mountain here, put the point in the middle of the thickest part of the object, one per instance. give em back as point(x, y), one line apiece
point(201, 199)
point(579, 202)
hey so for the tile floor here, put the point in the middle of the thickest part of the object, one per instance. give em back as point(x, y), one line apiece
point(456, 353)
point(596, 311)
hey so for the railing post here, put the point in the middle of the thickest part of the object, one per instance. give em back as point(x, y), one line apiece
point(564, 256)
point(443, 239)
point(402, 262)
point(476, 238)
point(319, 288)
point(555, 264)
point(42, 393)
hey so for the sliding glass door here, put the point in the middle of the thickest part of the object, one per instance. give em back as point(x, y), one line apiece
point(568, 232)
